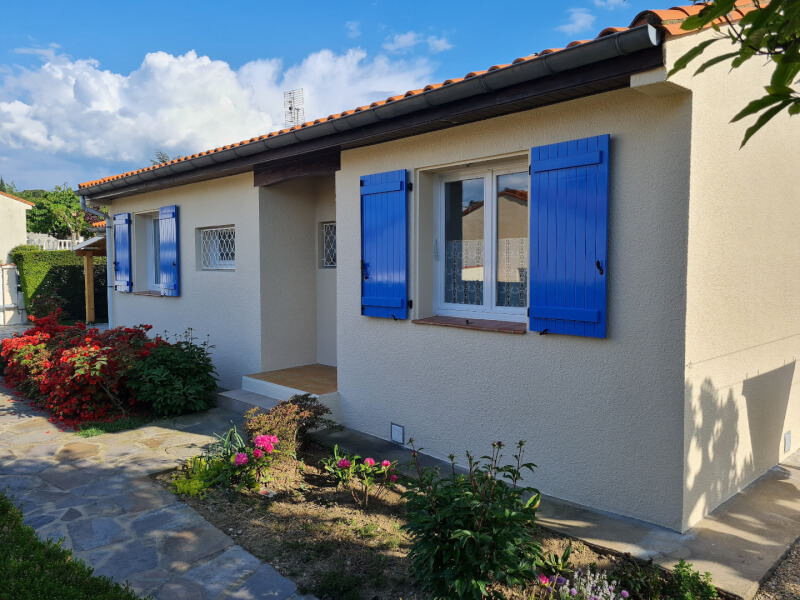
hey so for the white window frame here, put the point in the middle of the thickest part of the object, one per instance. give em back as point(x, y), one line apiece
point(153, 251)
point(489, 309)
point(221, 265)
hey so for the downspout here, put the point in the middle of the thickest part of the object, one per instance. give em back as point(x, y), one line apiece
point(109, 261)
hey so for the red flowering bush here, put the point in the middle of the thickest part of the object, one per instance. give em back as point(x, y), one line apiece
point(78, 374)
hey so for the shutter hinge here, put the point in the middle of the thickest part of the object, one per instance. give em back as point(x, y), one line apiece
point(410, 304)
point(362, 309)
point(529, 169)
point(529, 311)
point(361, 183)
point(410, 186)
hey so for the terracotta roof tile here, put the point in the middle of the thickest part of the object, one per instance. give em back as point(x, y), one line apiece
point(17, 198)
point(669, 21)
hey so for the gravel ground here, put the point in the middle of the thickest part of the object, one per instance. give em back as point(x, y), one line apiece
point(784, 583)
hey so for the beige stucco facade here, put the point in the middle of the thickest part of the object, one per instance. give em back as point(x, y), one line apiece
point(683, 404)
point(12, 225)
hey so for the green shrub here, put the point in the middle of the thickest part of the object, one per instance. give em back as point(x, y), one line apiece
point(31, 569)
point(175, 379)
point(687, 584)
point(53, 279)
point(643, 582)
point(197, 475)
point(290, 421)
point(471, 531)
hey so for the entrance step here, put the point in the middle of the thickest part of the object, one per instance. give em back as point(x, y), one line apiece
point(240, 401)
point(268, 388)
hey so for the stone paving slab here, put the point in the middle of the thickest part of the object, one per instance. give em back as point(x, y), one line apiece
point(97, 495)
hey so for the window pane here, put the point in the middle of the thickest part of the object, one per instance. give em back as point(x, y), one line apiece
point(512, 240)
point(463, 233)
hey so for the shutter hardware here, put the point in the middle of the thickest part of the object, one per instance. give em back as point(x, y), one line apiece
point(544, 331)
point(410, 186)
point(599, 267)
point(410, 304)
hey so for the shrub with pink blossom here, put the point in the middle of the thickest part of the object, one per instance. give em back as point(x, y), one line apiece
point(364, 478)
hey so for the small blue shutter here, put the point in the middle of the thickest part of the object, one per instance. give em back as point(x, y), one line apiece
point(384, 241)
point(168, 240)
point(122, 252)
point(569, 233)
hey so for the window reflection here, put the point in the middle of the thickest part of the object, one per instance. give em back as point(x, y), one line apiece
point(464, 235)
point(512, 240)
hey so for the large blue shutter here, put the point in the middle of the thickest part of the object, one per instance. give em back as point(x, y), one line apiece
point(168, 241)
point(122, 252)
point(569, 225)
point(384, 241)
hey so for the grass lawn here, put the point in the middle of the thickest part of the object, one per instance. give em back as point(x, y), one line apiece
point(93, 428)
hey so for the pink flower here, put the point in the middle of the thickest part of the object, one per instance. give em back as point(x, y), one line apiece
point(369, 461)
point(386, 464)
point(269, 447)
point(258, 453)
point(241, 459)
point(343, 464)
point(392, 478)
point(543, 579)
point(260, 441)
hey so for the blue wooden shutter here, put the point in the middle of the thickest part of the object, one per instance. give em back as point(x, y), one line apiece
point(384, 241)
point(569, 225)
point(122, 252)
point(168, 242)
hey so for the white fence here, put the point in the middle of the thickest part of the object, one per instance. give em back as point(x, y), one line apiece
point(48, 242)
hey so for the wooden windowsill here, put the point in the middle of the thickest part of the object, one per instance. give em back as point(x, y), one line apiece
point(478, 324)
point(148, 293)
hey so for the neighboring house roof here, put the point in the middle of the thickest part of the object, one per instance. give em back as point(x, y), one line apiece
point(17, 198)
point(666, 21)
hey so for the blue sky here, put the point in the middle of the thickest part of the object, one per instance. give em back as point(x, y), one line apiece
point(89, 89)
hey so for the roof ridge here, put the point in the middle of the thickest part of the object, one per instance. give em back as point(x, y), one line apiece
point(667, 20)
point(13, 197)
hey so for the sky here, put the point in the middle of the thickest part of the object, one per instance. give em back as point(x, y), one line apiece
point(94, 88)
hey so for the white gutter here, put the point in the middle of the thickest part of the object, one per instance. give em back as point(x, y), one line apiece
point(607, 47)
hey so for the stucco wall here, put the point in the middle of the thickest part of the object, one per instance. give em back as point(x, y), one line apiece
point(603, 419)
point(288, 274)
point(12, 225)
point(743, 286)
point(325, 197)
point(225, 305)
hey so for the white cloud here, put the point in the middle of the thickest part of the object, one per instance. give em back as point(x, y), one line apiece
point(580, 19)
point(78, 112)
point(438, 44)
point(402, 42)
point(610, 3)
point(353, 29)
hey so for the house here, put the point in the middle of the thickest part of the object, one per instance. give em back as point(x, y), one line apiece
point(13, 228)
point(570, 249)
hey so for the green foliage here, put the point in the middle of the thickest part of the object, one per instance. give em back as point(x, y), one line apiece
point(364, 478)
point(687, 584)
point(57, 213)
point(197, 475)
point(31, 569)
point(471, 531)
point(770, 31)
point(53, 279)
point(553, 564)
point(175, 379)
point(92, 429)
point(644, 582)
point(290, 421)
point(161, 158)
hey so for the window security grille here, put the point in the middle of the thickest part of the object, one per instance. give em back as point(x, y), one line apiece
point(218, 248)
point(329, 244)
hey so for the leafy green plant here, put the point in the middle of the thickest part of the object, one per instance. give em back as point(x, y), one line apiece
point(553, 564)
point(643, 581)
point(100, 427)
point(364, 478)
point(197, 475)
point(469, 532)
point(687, 584)
point(290, 420)
point(177, 378)
point(31, 569)
point(771, 31)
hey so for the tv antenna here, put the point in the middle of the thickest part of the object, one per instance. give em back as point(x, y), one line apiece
point(294, 114)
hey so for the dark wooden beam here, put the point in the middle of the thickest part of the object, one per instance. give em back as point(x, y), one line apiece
point(596, 78)
point(275, 172)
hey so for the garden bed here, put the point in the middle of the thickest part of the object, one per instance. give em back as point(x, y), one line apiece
point(313, 533)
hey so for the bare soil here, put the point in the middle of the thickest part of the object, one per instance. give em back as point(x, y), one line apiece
point(314, 534)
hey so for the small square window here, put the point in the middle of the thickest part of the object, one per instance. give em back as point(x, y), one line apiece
point(328, 244)
point(218, 248)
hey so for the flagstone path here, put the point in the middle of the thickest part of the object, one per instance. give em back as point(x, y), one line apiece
point(96, 493)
